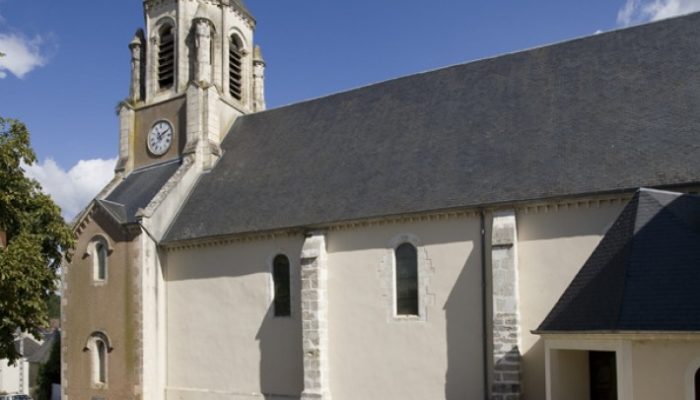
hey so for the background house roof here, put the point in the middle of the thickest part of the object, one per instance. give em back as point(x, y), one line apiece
point(610, 112)
point(41, 355)
point(643, 276)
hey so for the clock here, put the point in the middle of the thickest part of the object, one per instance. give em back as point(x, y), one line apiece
point(160, 137)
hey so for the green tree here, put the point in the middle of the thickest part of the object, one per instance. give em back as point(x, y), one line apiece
point(54, 306)
point(37, 240)
point(50, 373)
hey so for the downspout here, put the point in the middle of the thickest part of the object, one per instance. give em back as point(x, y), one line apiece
point(484, 304)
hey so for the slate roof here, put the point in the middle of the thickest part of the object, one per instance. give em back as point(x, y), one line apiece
point(610, 112)
point(26, 345)
point(42, 354)
point(137, 190)
point(643, 276)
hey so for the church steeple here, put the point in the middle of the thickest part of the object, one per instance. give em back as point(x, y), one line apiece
point(194, 70)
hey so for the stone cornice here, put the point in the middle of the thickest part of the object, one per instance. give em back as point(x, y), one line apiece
point(574, 202)
point(240, 11)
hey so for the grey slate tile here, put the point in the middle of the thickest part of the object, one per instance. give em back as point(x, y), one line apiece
point(137, 190)
point(611, 112)
point(643, 276)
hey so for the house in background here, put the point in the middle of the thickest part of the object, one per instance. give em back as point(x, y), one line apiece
point(20, 377)
point(400, 241)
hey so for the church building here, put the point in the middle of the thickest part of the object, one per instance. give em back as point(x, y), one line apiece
point(519, 227)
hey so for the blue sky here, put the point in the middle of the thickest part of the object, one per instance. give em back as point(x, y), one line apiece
point(67, 63)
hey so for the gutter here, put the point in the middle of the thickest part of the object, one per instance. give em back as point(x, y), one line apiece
point(484, 305)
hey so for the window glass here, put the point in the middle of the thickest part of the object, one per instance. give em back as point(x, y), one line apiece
point(101, 251)
point(280, 277)
point(406, 280)
point(101, 362)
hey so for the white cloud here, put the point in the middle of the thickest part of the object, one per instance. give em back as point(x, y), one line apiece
point(22, 55)
point(72, 190)
point(638, 11)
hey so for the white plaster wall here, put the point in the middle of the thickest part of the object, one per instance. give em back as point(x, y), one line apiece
point(10, 377)
point(570, 374)
point(223, 342)
point(665, 369)
point(554, 243)
point(374, 356)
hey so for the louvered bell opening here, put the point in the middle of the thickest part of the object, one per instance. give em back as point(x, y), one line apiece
point(235, 64)
point(166, 60)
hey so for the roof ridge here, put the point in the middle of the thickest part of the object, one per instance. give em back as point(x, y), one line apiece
point(483, 59)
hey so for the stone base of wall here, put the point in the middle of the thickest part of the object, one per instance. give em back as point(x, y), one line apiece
point(194, 394)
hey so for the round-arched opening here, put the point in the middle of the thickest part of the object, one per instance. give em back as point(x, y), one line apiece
point(235, 66)
point(166, 56)
point(281, 279)
point(406, 275)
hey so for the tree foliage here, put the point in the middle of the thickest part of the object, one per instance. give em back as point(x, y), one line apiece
point(50, 373)
point(37, 239)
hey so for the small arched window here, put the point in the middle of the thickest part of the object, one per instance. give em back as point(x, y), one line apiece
point(280, 277)
point(98, 347)
point(101, 362)
point(406, 257)
point(235, 65)
point(166, 57)
point(100, 260)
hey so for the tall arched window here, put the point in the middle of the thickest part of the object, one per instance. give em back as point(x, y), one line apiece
point(235, 65)
point(697, 384)
point(98, 347)
point(101, 260)
point(101, 362)
point(99, 251)
point(406, 257)
point(166, 57)
point(280, 278)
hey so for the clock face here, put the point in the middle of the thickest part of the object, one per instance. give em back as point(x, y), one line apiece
point(160, 138)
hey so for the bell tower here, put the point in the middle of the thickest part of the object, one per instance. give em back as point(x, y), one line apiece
point(194, 70)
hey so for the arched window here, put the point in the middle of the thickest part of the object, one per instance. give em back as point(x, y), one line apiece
point(101, 362)
point(406, 257)
point(98, 347)
point(99, 251)
point(101, 260)
point(697, 384)
point(235, 65)
point(166, 57)
point(280, 278)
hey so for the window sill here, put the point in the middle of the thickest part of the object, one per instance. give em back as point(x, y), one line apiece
point(408, 318)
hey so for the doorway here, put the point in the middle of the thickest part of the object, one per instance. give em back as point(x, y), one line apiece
point(603, 375)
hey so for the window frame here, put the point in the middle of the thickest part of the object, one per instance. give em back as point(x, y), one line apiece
point(387, 276)
point(235, 38)
point(396, 281)
point(93, 251)
point(161, 26)
point(98, 345)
